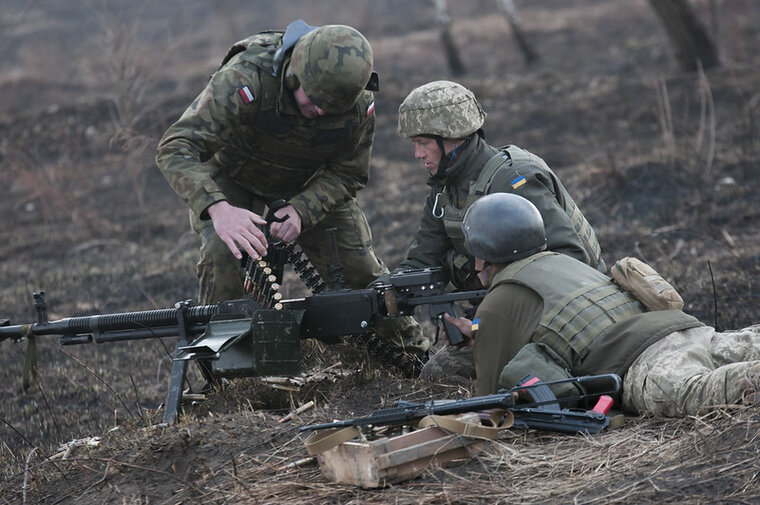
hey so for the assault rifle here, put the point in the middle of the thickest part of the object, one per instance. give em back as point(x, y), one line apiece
point(540, 409)
point(249, 336)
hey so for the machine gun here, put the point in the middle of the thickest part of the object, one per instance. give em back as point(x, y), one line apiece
point(249, 336)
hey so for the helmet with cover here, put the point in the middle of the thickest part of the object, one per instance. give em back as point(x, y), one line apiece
point(503, 227)
point(333, 63)
point(442, 109)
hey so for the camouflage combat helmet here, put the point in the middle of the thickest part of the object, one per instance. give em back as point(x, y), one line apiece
point(503, 227)
point(333, 64)
point(440, 108)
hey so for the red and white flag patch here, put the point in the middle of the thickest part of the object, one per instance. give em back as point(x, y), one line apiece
point(246, 94)
point(371, 108)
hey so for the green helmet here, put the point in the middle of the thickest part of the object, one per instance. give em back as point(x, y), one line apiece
point(503, 227)
point(441, 108)
point(333, 63)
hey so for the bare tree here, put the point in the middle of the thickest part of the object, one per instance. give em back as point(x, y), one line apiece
point(691, 42)
point(512, 15)
point(444, 24)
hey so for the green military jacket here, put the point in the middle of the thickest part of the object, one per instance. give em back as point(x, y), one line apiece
point(246, 124)
point(482, 169)
point(561, 318)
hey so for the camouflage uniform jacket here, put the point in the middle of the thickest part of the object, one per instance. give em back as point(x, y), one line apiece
point(246, 123)
point(574, 316)
point(567, 230)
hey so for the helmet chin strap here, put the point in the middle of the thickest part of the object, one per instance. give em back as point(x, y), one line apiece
point(444, 162)
point(486, 264)
point(447, 158)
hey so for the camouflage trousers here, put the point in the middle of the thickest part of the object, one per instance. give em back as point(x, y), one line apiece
point(689, 371)
point(220, 276)
point(450, 364)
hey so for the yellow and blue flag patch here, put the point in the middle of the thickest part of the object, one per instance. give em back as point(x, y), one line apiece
point(517, 182)
point(475, 324)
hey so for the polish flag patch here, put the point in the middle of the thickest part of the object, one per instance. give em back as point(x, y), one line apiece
point(371, 108)
point(246, 94)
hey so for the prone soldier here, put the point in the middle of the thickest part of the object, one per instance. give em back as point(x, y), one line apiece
point(552, 315)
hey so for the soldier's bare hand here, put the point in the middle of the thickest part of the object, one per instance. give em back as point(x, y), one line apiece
point(237, 228)
point(287, 230)
point(464, 325)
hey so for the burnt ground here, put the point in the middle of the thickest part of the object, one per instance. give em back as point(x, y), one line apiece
point(663, 163)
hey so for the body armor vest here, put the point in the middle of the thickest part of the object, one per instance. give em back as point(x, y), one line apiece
point(580, 304)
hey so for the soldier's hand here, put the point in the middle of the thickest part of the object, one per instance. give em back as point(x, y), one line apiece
point(237, 228)
point(287, 230)
point(464, 325)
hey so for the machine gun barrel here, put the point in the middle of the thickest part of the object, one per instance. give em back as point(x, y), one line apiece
point(150, 321)
point(242, 338)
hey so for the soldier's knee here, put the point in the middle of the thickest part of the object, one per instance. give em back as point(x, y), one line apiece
point(449, 364)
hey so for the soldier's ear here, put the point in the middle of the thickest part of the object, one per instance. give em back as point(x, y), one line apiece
point(290, 80)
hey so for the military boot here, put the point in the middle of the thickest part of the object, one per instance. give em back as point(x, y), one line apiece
point(750, 386)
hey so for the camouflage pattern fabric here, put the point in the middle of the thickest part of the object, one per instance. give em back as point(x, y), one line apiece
point(333, 63)
point(689, 371)
point(449, 364)
point(246, 124)
point(442, 108)
point(244, 140)
point(220, 275)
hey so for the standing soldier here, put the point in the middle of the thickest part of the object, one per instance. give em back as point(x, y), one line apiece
point(288, 115)
point(444, 121)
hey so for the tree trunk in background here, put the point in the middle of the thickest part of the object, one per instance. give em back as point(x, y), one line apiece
point(689, 38)
point(444, 24)
point(510, 12)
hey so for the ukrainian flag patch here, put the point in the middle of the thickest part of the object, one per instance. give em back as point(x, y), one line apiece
point(516, 183)
point(475, 324)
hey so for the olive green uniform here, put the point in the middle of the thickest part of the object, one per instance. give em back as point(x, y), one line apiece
point(552, 316)
point(480, 169)
point(244, 140)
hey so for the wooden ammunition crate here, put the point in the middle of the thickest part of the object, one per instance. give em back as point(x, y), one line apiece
point(395, 459)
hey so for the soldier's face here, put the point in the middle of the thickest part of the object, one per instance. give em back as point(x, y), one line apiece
point(485, 273)
point(426, 150)
point(307, 109)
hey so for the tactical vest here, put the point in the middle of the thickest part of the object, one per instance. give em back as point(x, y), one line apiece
point(522, 161)
point(580, 304)
point(293, 145)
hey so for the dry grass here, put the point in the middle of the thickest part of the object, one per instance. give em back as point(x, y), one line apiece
point(94, 224)
point(696, 460)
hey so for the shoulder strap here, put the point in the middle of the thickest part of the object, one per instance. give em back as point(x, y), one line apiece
point(259, 39)
point(500, 420)
point(489, 170)
point(516, 153)
point(321, 441)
